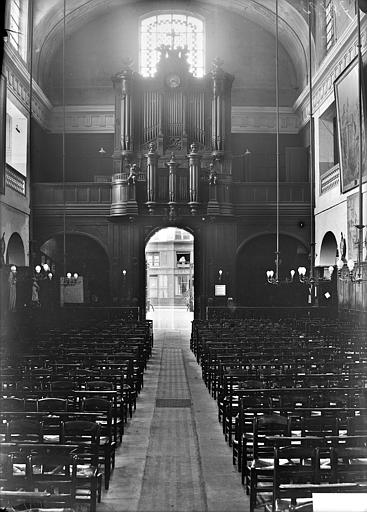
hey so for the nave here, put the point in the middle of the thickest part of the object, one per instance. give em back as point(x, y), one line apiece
point(104, 404)
point(173, 456)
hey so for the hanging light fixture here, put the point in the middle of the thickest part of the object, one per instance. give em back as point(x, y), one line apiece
point(273, 277)
point(63, 143)
point(310, 279)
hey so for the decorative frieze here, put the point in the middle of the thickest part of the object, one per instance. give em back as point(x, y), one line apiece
point(344, 51)
point(84, 119)
point(263, 120)
point(18, 83)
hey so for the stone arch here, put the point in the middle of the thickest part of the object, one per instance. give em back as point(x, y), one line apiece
point(15, 254)
point(329, 250)
point(172, 271)
point(255, 257)
point(84, 255)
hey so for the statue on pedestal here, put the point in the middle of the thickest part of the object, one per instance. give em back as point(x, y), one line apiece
point(132, 178)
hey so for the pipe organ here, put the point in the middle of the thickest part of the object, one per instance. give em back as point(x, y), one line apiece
point(173, 132)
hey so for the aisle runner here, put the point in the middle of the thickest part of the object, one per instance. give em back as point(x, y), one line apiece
point(172, 477)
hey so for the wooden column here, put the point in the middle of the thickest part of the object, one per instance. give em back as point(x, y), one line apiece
point(124, 117)
point(221, 109)
point(152, 169)
point(172, 167)
point(194, 173)
point(217, 108)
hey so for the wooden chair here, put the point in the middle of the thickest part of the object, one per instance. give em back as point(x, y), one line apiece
point(108, 431)
point(86, 435)
point(349, 464)
point(55, 474)
point(257, 455)
point(294, 469)
point(51, 407)
point(299, 474)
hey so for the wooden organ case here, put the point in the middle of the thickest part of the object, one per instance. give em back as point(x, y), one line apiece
point(172, 140)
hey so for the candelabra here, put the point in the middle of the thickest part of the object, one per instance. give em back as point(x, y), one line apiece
point(349, 271)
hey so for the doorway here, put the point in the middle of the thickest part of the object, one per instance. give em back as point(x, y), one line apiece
point(169, 260)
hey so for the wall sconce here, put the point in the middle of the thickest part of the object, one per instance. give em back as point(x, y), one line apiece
point(124, 272)
point(13, 269)
point(42, 271)
point(70, 280)
point(102, 151)
point(247, 152)
point(220, 273)
point(353, 274)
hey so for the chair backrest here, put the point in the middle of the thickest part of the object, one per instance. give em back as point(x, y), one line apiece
point(86, 434)
point(349, 464)
point(52, 468)
point(83, 433)
point(320, 426)
point(96, 404)
point(298, 466)
point(6, 466)
point(12, 404)
point(62, 385)
point(269, 425)
point(52, 404)
point(357, 425)
point(99, 385)
point(23, 430)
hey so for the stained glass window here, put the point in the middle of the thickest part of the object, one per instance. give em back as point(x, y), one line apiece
point(175, 30)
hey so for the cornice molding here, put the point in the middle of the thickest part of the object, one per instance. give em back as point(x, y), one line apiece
point(101, 119)
point(343, 52)
point(18, 83)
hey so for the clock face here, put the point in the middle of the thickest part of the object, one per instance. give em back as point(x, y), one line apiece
point(173, 81)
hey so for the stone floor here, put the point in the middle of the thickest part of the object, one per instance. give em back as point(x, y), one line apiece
point(173, 456)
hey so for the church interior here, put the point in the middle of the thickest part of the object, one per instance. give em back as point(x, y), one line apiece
point(183, 274)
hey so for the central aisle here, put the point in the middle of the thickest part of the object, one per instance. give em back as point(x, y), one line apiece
point(172, 477)
point(173, 456)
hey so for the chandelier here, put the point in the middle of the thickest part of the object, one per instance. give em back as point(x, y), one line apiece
point(273, 277)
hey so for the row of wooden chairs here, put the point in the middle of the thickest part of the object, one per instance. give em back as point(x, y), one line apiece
point(71, 392)
point(278, 387)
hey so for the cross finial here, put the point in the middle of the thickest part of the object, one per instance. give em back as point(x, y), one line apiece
point(173, 36)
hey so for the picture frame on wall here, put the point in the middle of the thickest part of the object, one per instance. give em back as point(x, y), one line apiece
point(2, 132)
point(347, 108)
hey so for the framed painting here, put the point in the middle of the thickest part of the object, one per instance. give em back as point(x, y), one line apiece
point(2, 132)
point(347, 108)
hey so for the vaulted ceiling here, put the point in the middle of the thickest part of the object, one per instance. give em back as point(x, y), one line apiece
point(52, 17)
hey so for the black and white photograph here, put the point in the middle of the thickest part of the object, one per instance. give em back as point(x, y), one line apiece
point(183, 256)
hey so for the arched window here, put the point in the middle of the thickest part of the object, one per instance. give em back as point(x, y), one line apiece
point(17, 23)
point(175, 30)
